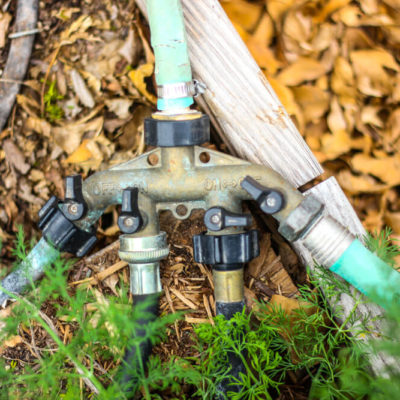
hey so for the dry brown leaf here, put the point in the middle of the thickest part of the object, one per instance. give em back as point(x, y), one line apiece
point(81, 90)
point(359, 184)
point(277, 8)
point(325, 36)
point(5, 19)
point(304, 69)
point(69, 136)
point(64, 13)
point(393, 220)
point(393, 34)
point(298, 27)
point(373, 220)
point(15, 157)
point(387, 168)
point(120, 107)
point(258, 46)
point(313, 101)
point(329, 8)
point(88, 155)
point(29, 105)
point(286, 97)
point(131, 47)
point(369, 66)
point(137, 77)
point(353, 16)
point(349, 15)
point(336, 120)
point(243, 13)
point(335, 144)
point(369, 6)
point(343, 81)
point(76, 29)
point(12, 342)
point(81, 154)
point(393, 3)
point(287, 305)
point(369, 115)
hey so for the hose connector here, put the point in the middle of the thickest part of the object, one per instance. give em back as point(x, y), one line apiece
point(143, 254)
point(334, 247)
point(322, 235)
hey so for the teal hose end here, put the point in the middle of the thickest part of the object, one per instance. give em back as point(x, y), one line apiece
point(369, 274)
point(169, 104)
point(168, 39)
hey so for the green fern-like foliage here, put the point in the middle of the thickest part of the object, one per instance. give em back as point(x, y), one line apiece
point(101, 329)
point(383, 245)
point(270, 342)
point(239, 337)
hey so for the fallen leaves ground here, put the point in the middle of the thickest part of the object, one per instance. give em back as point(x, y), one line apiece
point(334, 64)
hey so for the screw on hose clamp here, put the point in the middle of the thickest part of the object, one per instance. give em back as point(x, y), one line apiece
point(198, 88)
point(180, 90)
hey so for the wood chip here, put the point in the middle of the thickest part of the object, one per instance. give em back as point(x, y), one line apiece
point(192, 320)
point(208, 309)
point(181, 297)
point(103, 274)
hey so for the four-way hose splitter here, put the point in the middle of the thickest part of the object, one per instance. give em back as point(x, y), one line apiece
point(180, 176)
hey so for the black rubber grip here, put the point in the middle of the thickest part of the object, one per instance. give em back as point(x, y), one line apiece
point(127, 379)
point(235, 362)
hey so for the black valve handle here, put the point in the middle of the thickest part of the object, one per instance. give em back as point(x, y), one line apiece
point(130, 219)
point(74, 206)
point(270, 200)
point(218, 218)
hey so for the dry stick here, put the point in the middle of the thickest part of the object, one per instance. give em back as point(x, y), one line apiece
point(181, 297)
point(171, 306)
point(208, 309)
point(18, 58)
point(103, 274)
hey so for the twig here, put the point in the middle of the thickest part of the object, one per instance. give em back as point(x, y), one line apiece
point(103, 274)
point(28, 32)
point(18, 58)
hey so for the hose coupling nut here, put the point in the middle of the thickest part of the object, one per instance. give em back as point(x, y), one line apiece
point(143, 255)
point(301, 219)
point(145, 249)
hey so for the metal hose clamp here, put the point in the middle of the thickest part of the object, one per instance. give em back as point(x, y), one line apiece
point(180, 90)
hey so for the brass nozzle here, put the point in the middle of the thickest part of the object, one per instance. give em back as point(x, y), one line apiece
point(229, 286)
point(181, 115)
